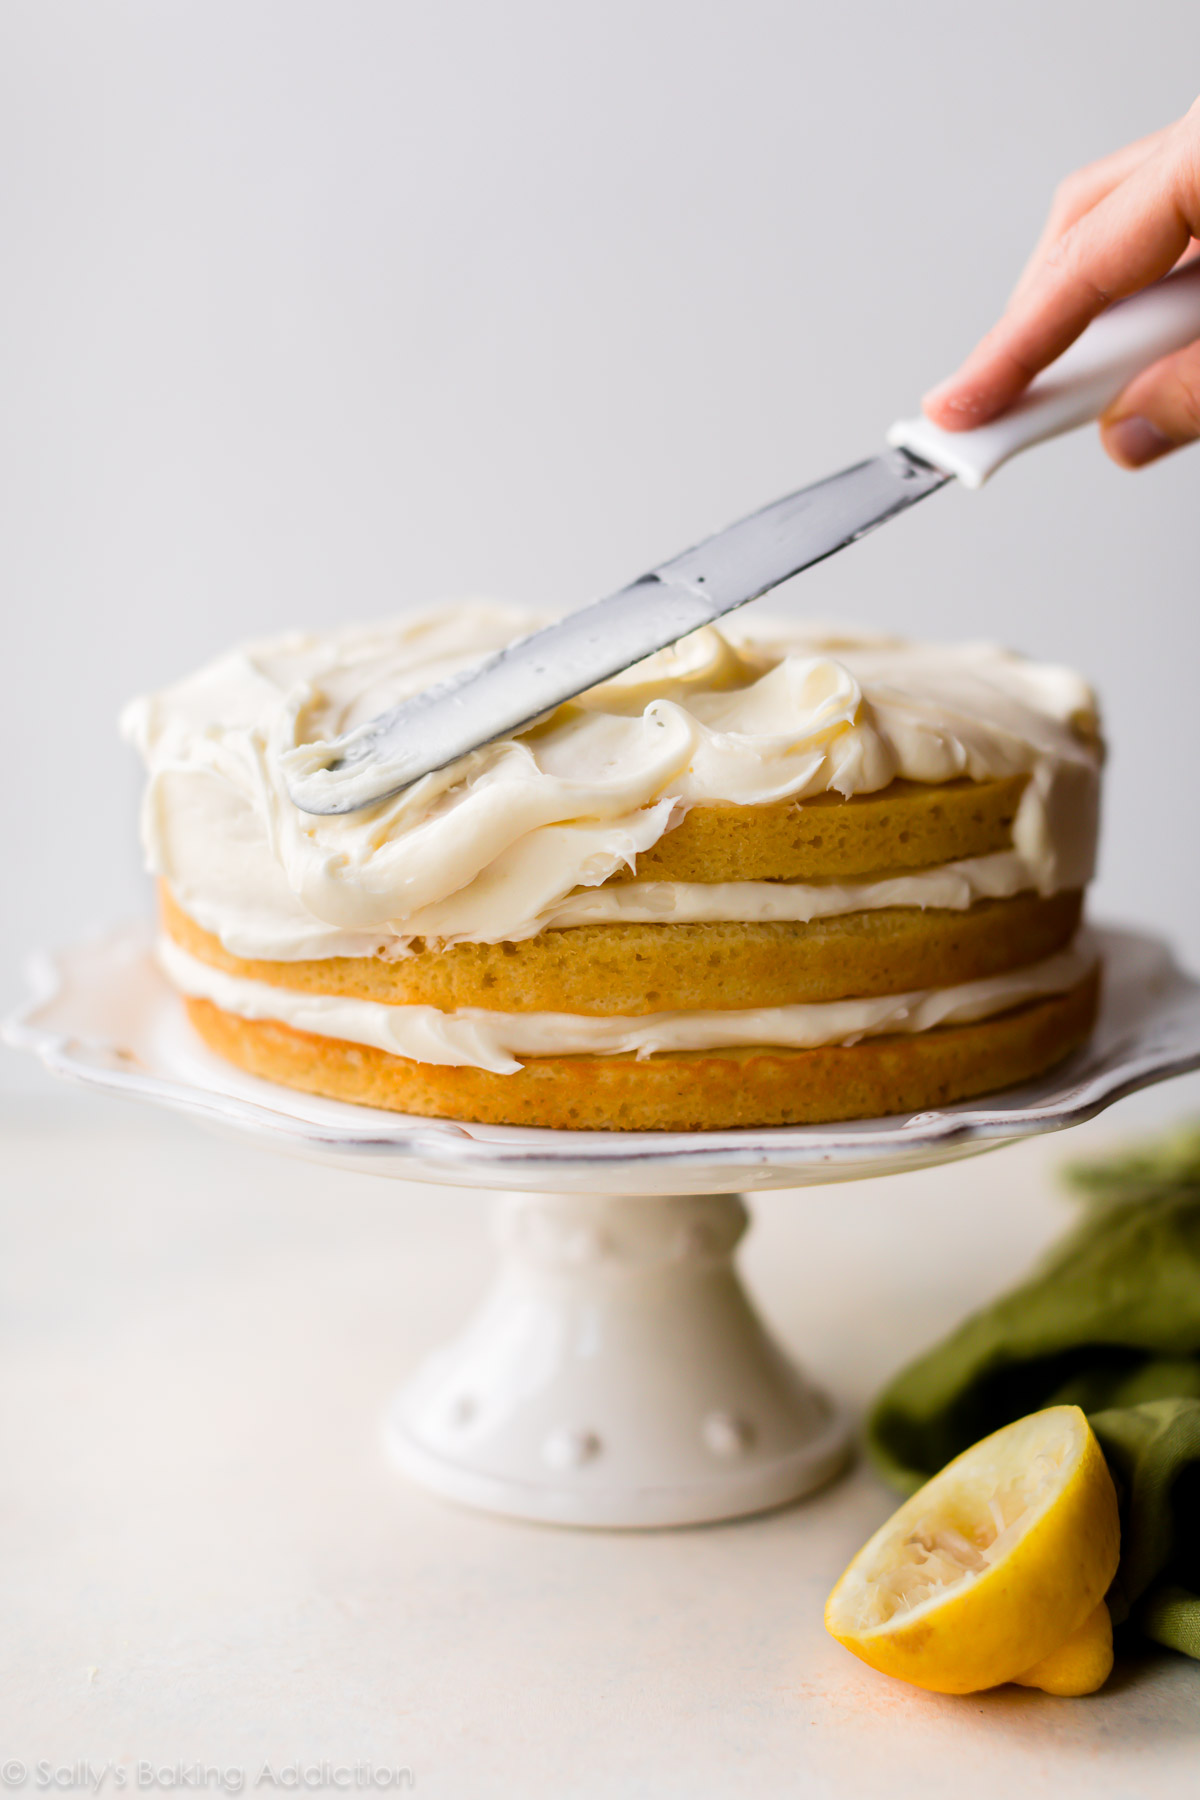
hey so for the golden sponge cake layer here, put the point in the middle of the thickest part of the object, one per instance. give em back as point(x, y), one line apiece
point(907, 825)
point(688, 1091)
point(632, 970)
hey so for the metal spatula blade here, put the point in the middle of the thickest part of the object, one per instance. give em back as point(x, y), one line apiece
point(530, 678)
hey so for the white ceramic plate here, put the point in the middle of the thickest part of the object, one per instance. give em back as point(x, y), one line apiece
point(102, 1013)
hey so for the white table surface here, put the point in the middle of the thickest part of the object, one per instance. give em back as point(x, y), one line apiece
point(207, 1560)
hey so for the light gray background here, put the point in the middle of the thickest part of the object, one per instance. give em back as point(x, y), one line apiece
point(317, 309)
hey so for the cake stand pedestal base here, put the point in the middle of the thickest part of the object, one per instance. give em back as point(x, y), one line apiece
point(616, 1375)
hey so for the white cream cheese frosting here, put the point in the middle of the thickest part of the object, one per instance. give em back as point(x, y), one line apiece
point(496, 846)
point(953, 886)
point(474, 1037)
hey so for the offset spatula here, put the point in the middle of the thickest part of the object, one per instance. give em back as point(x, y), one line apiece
point(534, 675)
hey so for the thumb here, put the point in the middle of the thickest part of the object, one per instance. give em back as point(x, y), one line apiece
point(1157, 413)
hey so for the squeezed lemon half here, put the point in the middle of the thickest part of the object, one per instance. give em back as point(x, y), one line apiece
point(995, 1570)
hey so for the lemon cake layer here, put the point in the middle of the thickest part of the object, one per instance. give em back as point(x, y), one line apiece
point(715, 1090)
point(499, 1041)
point(907, 826)
point(631, 969)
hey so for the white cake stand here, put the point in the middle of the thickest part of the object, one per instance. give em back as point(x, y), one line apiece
point(617, 1374)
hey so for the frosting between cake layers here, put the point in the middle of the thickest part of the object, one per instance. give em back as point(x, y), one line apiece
point(496, 846)
point(474, 1037)
point(951, 886)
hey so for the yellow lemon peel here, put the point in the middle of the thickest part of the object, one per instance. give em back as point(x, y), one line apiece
point(1080, 1665)
point(995, 1570)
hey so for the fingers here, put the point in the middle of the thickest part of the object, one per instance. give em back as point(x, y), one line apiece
point(1131, 234)
point(1157, 413)
point(1077, 195)
point(1131, 237)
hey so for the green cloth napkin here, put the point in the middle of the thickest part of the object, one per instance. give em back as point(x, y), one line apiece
point(1110, 1320)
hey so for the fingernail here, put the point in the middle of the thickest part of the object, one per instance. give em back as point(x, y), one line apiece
point(963, 403)
point(1136, 442)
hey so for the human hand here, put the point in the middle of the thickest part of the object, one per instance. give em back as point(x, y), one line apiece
point(1113, 228)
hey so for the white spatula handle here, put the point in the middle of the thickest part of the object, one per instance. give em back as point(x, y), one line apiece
point(1077, 388)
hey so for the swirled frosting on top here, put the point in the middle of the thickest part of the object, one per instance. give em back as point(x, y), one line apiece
point(489, 848)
